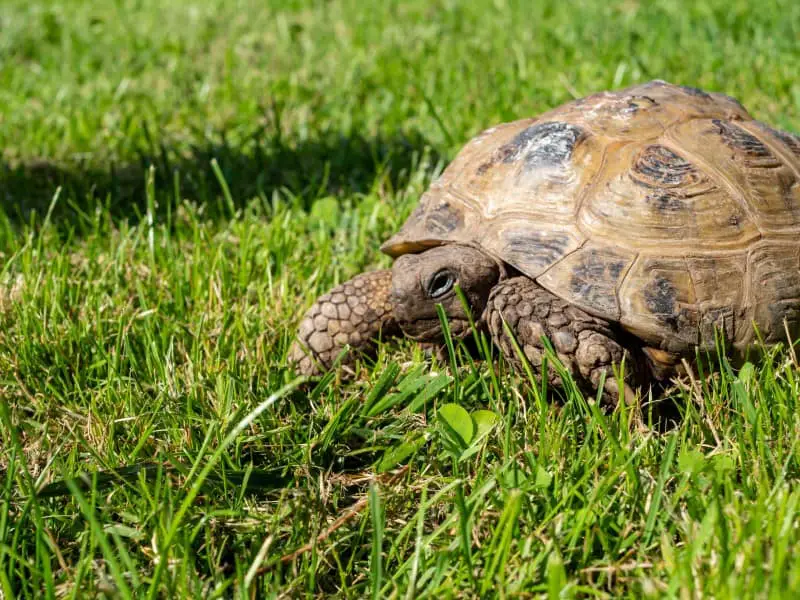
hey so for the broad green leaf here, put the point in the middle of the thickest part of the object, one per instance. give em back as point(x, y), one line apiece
point(691, 461)
point(484, 420)
point(457, 419)
point(543, 478)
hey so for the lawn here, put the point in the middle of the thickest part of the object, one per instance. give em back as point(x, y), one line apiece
point(179, 180)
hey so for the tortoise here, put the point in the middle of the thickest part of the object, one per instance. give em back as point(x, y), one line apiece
point(642, 223)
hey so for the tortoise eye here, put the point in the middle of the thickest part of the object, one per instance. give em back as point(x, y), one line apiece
point(441, 283)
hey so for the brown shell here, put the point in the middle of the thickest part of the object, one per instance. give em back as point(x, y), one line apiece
point(661, 207)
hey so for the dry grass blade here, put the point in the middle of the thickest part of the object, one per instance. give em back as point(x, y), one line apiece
point(344, 517)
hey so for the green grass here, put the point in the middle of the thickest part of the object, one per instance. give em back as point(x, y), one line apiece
point(222, 164)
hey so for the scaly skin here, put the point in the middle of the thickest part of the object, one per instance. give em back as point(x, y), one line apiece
point(386, 303)
point(584, 344)
point(354, 313)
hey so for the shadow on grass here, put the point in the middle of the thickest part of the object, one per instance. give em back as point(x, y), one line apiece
point(333, 164)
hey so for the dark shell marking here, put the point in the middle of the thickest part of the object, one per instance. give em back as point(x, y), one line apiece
point(660, 169)
point(790, 140)
point(661, 299)
point(542, 145)
point(444, 219)
point(693, 91)
point(639, 101)
point(594, 281)
point(665, 202)
point(787, 310)
point(754, 150)
point(532, 252)
point(660, 296)
point(658, 166)
point(634, 104)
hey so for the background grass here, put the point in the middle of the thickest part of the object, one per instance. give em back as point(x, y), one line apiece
point(222, 164)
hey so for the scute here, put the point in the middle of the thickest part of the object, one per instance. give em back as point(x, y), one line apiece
point(532, 172)
point(719, 287)
point(548, 144)
point(750, 170)
point(783, 142)
point(662, 198)
point(658, 302)
point(439, 218)
point(646, 110)
point(775, 289)
point(657, 166)
point(663, 207)
point(589, 278)
point(531, 250)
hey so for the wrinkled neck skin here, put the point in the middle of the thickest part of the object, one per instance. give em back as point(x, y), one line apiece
point(421, 281)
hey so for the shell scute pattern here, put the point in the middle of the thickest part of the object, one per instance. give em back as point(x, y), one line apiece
point(754, 152)
point(791, 140)
point(642, 206)
point(534, 251)
point(749, 171)
point(542, 145)
point(589, 278)
point(658, 166)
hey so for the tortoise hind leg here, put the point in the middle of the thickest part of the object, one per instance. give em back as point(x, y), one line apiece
point(584, 344)
point(354, 314)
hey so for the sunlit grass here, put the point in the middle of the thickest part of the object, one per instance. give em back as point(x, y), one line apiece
point(180, 180)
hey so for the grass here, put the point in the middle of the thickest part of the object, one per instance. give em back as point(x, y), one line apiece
point(180, 180)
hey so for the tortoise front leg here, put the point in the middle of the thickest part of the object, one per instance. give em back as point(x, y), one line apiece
point(354, 313)
point(584, 344)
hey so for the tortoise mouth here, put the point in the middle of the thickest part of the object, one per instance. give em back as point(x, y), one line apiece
point(430, 330)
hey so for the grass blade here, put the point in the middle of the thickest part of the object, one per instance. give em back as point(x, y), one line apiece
point(376, 560)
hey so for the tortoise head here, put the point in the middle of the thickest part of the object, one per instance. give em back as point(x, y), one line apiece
point(421, 281)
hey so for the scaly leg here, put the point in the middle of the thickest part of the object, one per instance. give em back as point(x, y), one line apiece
point(584, 344)
point(353, 313)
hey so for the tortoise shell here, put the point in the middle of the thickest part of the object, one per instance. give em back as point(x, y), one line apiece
point(664, 208)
